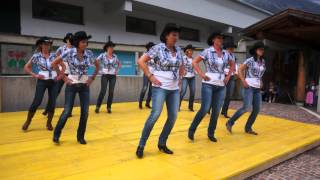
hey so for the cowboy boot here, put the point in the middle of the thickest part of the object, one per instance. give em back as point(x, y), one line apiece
point(28, 121)
point(49, 121)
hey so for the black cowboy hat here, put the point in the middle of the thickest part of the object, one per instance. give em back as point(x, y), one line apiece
point(108, 44)
point(189, 46)
point(256, 46)
point(214, 35)
point(68, 36)
point(78, 36)
point(44, 39)
point(229, 43)
point(149, 45)
point(37, 43)
point(167, 30)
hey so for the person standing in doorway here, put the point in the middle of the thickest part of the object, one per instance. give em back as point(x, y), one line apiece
point(253, 68)
point(146, 82)
point(110, 65)
point(189, 78)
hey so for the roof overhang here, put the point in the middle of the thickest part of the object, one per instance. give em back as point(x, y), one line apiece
point(290, 26)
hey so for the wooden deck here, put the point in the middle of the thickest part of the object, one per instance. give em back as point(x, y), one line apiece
point(113, 138)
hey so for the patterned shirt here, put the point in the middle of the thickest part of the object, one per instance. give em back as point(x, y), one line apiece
point(44, 64)
point(255, 71)
point(163, 59)
point(234, 59)
point(215, 65)
point(151, 65)
point(108, 65)
point(166, 67)
point(78, 67)
point(188, 66)
point(210, 58)
point(59, 51)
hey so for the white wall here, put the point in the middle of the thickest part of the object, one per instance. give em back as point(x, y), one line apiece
point(223, 11)
point(102, 19)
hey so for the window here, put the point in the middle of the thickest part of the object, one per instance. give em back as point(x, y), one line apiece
point(189, 34)
point(56, 11)
point(137, 25)
point(10, 14)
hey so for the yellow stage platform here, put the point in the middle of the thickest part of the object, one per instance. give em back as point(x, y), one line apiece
point(113, 138)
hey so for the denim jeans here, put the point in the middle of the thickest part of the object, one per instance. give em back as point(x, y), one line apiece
point(192, 87)
point(229, 91)
point(41, 87)
point(211, 96)
point(84, 96)
point(105, 80)
point(146, 83)
point(60, 84)
point(159, 96)
point(251, 96)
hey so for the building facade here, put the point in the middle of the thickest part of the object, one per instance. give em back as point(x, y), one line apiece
point(130, 24)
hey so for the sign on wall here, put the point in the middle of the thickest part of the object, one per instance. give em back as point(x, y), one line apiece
point(14, 57)
point(127, 60)
point(128, 63)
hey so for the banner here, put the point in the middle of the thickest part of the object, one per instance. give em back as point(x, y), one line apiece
point(14, 57)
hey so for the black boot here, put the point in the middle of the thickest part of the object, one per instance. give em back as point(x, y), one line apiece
point(190, 135)
point(45, 112)
point(251, 132)
point(49, 121)
point(191, 109)
point(97, 110)
point(139, 152)
point(82, 141)
point(212, 138)
point(28, 121)
point(148, 106)
point(56, 139)
point(140, 104)
point(229, 128)
point(226, 116)
point(109, 110)
point(165, 149)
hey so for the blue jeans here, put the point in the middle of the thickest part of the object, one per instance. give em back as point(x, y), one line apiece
point(41, 87)
point(84, 95)
point(159, 96)
point(211, 96)
point(105, 79)
point(60, 84)
point(251, 96)
point(229, 91)
point(192, 87)
point(146, 84)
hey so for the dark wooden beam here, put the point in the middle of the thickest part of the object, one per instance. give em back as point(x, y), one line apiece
point(297, 29)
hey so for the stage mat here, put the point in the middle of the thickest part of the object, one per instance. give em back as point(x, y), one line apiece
point(113, 138)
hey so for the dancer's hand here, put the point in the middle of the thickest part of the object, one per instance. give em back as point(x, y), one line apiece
point(89, 81)
point(39, 76)
point(205, 77)
point(245, 84)
point(226, 80)
point(155, 81)
point(67, 80)
point(59, 77)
